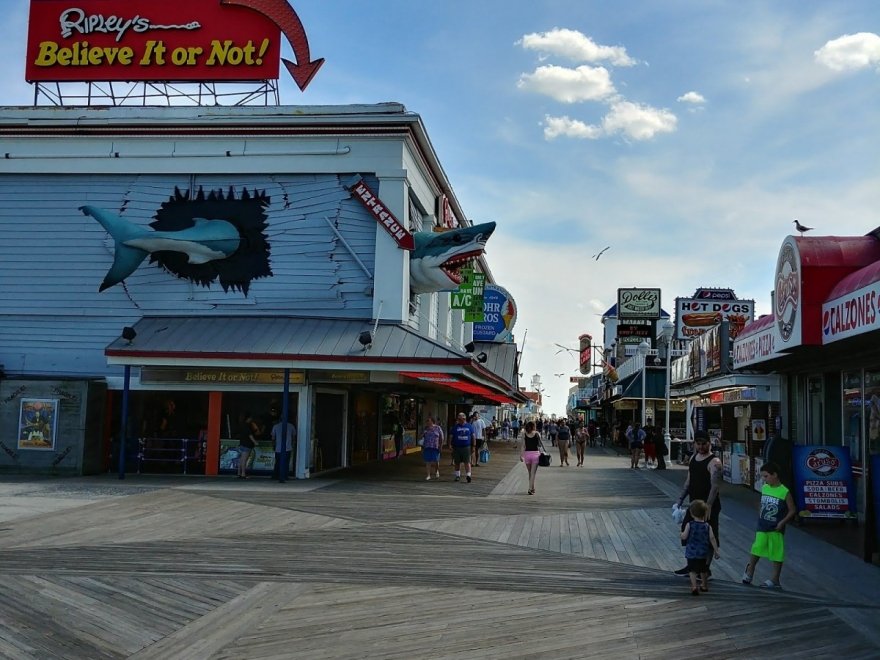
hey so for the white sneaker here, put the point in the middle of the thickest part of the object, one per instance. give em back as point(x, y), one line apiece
point(428, 478)
point(437, 474)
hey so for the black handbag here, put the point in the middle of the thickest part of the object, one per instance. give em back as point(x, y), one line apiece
point(544, 459)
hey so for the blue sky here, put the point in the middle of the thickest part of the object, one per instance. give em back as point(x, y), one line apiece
point(685, 134)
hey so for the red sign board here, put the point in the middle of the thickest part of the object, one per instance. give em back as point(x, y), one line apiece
point(362, 192)
point(156, 40)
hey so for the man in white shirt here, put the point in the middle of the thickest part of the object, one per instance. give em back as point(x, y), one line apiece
point(290, 436)
point(479, 426)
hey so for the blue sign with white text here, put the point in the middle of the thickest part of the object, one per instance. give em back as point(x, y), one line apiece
point(823, 482)
point(499, 315)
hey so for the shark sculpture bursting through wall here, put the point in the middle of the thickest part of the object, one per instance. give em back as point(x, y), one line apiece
point(435, 262)
point(183, 241)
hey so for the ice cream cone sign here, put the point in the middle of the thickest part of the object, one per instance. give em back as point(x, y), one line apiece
point(610, 372)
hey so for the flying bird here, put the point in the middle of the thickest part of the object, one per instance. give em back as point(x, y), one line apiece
point(565, 348)
point(601, 252)
point(800, 227)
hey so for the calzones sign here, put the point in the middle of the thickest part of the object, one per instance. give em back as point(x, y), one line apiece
point(164, 40)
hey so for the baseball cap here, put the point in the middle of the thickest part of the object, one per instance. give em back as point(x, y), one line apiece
point(701, 436)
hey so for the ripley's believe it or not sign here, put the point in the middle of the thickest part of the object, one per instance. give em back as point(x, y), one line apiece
point(164, 40)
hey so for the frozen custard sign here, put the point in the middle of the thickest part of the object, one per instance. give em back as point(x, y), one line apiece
point(164, 40)
point(638, 303)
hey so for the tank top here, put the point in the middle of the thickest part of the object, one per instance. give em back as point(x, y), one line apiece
point(532, 442)
point(700, 483)
point(698, 540)
point(773, 507)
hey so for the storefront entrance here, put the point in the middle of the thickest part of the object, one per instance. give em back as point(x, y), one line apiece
point(329, 435)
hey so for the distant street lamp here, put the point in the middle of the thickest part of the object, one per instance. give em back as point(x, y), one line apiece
point(644, 347)
point(666, 334)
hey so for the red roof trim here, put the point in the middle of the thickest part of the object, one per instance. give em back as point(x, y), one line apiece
point(755, 327)
point(855, 281)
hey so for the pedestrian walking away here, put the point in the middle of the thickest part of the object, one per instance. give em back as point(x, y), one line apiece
point(635, 436)
point(289, 433)
point(432, 441)
point(532, 446)
point(462, 439)
point(703, 483)
point(776, 511)
point(700, 545)
point(246, 442)
point(478, 424)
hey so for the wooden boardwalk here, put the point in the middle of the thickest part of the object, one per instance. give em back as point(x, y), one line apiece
point(379, 563)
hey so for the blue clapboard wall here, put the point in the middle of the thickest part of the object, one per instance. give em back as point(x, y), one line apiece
point(53, 320)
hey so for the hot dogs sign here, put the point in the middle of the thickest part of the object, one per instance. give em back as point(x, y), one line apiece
point(694, 316)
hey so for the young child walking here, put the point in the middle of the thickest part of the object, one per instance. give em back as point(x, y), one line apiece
point(700, 542)
point(777, 510)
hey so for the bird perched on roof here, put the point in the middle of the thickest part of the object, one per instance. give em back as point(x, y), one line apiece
point(800, 227)
point(599, 254)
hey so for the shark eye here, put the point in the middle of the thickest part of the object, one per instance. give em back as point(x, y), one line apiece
point(456, 238)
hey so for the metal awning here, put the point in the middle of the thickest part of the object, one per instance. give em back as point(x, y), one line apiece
point(280, 342)
point(459, 384)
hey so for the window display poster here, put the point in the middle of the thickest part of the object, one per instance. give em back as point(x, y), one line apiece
point(759, 430)
point(823, 482)
point(37, 422)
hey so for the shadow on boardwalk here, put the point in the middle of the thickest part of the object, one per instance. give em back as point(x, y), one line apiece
point(377, 562)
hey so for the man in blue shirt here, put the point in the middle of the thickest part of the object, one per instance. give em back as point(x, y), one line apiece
point(461, 437)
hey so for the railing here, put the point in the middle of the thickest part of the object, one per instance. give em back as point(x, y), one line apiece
point(179, 452)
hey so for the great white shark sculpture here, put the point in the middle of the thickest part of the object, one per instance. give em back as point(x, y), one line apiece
point(206, 240)
point(435, 262)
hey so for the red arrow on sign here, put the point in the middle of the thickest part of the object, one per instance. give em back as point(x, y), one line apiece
point(282, 14)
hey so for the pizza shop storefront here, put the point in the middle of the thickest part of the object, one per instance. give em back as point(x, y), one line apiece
point(823, 339)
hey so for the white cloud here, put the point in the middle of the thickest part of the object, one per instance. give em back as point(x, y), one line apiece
point(555, 127)
point(850, 52)
point(575, 46)
point(691, 97)
point(637, 121)
point(586, 83)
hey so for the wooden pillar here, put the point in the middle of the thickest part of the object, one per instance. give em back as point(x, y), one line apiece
point(212, 451)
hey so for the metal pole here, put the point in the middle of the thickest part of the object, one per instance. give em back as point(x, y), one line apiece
point(285, 411)
point(666, 436)
point(644, 370)
point(122, 431)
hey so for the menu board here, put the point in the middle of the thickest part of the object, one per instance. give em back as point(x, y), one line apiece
point(823, 482)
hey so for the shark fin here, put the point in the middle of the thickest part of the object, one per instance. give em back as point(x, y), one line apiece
point(125, 261)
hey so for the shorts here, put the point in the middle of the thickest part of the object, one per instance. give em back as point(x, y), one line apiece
point(635, 445)
point(714, 514)
point(770, 545)
point(697, 565)
point(244, 451)
point(461, 454)
point(430, 455)
point(531, 457)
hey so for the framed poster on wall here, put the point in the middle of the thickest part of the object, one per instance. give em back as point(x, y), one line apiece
point(37, 423)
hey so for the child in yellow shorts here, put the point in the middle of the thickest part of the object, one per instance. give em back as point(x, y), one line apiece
point(777, 510)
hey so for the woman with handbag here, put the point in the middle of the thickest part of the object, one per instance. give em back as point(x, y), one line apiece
point(531, 454)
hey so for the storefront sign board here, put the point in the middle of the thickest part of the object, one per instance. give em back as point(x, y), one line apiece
point(499, 315)
point(694, 316)
point(213, 376)
point(386, 219)
point(823, 482)
point(853, 314)
point(638, 303)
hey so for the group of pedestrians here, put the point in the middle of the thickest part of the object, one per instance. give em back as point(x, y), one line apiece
point(648, 441)
point(699, 528)
point(466, 438)
point(253, 431)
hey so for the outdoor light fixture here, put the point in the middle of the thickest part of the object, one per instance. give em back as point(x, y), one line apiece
point(482, 357)
point(469, 347)
point(128, 334)
point(365, 339)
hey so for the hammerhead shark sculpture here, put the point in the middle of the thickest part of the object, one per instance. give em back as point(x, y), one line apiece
point(435, 262)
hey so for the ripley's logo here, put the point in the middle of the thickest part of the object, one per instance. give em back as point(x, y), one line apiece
point(788, 292)
point(822, 462)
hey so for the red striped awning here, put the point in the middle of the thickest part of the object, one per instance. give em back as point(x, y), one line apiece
point(453, 382)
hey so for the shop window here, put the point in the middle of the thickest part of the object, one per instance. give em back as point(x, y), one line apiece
point(853, 430)
point(872, 406)
point(815, 411)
